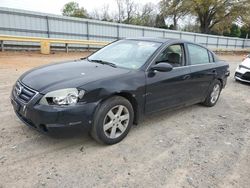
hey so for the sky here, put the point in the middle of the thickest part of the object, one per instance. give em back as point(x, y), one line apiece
point(55, 6)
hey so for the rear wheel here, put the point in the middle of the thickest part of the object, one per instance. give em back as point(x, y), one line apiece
point(113, 120)
point(213, 94)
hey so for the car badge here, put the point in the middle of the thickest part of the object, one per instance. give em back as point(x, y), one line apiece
point(19, 90)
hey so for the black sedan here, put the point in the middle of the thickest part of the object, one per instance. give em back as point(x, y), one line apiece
point(118, 85)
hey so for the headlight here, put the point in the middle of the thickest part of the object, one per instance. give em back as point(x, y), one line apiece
point(62, 97)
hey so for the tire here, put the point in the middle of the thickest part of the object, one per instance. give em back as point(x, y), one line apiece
point(112, 120)
point(213, 94)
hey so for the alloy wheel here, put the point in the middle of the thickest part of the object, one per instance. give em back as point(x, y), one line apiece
point(215, 93)
point(116, 121)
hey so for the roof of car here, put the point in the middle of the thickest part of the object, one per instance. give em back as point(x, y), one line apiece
point(155, 39)
point(165, 40)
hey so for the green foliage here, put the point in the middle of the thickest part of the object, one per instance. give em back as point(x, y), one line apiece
point(72, 9)
point(213, 16)
point(245, 31)
point(213, 12)
point(234, 31)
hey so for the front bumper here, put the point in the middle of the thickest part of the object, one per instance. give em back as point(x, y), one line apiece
point(50, 118)
point(242, 74)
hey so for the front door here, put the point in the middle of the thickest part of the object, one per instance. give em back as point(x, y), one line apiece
point(168, 89)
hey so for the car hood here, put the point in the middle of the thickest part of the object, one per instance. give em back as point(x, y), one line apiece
point(71, 74)
point(246, 62)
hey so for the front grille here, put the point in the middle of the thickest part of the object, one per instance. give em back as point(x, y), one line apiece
point(246, 76)
point(23, 93)
point(238, 74)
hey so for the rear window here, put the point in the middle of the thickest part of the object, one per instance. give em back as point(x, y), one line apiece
point(197, 54)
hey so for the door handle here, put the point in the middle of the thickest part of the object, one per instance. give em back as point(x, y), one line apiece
point(214, 72)
point(186, 77)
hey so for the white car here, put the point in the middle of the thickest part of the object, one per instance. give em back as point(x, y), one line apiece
point(242, 72)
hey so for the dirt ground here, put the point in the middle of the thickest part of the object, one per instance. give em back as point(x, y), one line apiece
point(191, 147)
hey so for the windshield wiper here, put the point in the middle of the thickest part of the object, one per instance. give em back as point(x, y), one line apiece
point(103, 62)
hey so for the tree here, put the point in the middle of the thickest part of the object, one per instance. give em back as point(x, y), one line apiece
point(244, 18)
point(235, 31)
point(213, 12)
point(223, 28)
point(72, 9)
point(126, 10)
point(245, 31)
point(120, 6)
point(101, 14)
point(145, 16)
point(130, 9)
point(160, 21)
point(174, 9)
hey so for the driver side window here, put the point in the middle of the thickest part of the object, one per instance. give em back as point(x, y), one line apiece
point(173, 55)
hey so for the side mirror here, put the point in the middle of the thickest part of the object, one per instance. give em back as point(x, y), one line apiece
point(162, 67)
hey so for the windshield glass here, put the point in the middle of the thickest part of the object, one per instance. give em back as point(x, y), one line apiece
point(126, 53)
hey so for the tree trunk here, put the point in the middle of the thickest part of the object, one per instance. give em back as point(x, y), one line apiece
point(175, 22)
point(204, 24)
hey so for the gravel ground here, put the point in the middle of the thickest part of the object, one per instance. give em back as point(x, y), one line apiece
point(191, 147)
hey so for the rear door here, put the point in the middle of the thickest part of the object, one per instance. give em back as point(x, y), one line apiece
point(168, 89)
point(202, 71)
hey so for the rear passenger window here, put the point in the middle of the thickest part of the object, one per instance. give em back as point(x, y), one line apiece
point(197, 54)
point(211, 57)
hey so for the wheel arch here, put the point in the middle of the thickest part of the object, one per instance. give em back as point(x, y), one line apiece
point(133, 102)
point(130, 98)
point(221, 81)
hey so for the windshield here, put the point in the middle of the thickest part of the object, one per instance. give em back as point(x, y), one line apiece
point(126, 53)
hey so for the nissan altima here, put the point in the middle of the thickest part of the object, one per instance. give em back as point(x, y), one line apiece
point(118, 85)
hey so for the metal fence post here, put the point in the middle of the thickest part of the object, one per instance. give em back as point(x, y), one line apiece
point(207, 41)
point(48, 29)
point(118, 32)
point(143, 32)
point(227, 42)
point(195, 38)
point(217, 42)
point(235, 45)
point(87, 27)
point(2, 45)
point(67, 47)
point(247, 44)
point(180, 35)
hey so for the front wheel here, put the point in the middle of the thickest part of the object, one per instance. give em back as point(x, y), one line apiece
point(113, 120)
point(213, 94)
